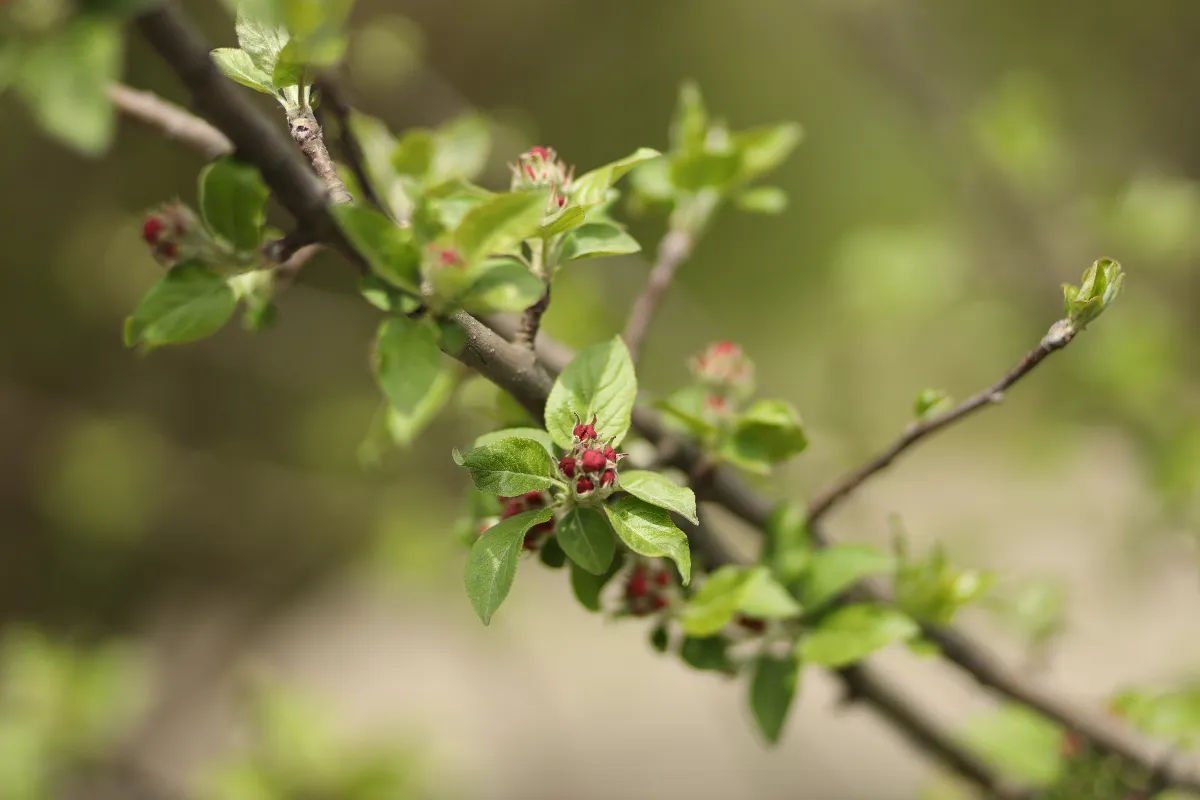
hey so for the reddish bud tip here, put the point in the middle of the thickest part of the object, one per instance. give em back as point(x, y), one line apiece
point(609, 478)
point(726, 349)
point(534, 498)
point(752, 624)
point(512, 509)
point(152, 228)
point(540, 152)
point(584, 485)
point(593, 461)
point(658, 602)
point(714, 402)
point(638, 585)
point(610, 454)
point(169, 250)
point(544, 527)
point(663, 578)
point(567, 467)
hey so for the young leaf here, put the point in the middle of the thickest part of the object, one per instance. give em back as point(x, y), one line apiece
point(233, 201)
point(854, 632)
point(413, 154)
point(378, 144)
point(689, 126)
point(648, 530)
point(237, 66)
point(406, 426)
point(764, 149)
point(708, 654)
point(1018, 741)
point(767, 433)
point(835, 569)
point(568, 219)
point(600, 380)
point(713, 606)
point(587, 587)
point(261, 41)
point(537, 434)
point(499, 223)
point(598, 239)
point(510, 467)
point(764, 598)
point(661, 491)
point(762, 200)
point(592, 187)
point(788, 548)
point(389, 249)
point(552, 554)
point(694, 172)
point(407, 362)
point(64, 80)
point(492, 564)
point(502, 285)
point(462, 148)
point(587, 538)
point(772, 690)
point(190, 302)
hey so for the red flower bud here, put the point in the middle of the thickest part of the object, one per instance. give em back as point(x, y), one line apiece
point(658, 602)
point(663, 578)
point(609, 453)
point(638, 586)
point(152, 228)
point(169, 250)
point(587, 432)
point(540, 152)
point(567, 466)
point(544, 527)
point(584, 485)
point(714, 402)
point(534, 498)
point(512, 509)
point(726, 349)
point(593, 461)
point(752, 624)
point(609, 478)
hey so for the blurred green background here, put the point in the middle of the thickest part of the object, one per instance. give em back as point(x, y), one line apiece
point(206, 503)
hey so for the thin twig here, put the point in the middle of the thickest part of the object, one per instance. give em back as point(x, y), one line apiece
point(675, 248)
point(1059, 336)
point(531, 320)
point(334, 97)
point(516, 370)
point(170, 120)
point(310, 136)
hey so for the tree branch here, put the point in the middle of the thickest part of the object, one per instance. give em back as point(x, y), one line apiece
point(518, 371)
point(310, 136)
point(333, 95)
point(170, 120)
point(675, 248)
point(1058, 337)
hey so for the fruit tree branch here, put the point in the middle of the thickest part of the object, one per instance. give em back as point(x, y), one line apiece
point(517, 370)
point(675, 248)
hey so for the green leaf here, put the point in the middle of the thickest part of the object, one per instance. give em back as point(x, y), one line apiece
point(587, 587)
point(408, 362)
point(511, 466)
point(462, 148)
point(64, 80)
point(764, 598)
point(587, 538)
point(503, 284)
point(599, 381)
point(189, 303)
point(693, 172)
point(660, 638)
point(835, 569)
point(537, 434)
point(1018, 741)
point(767, 433)
point(413, 154)
point(233, 200)
point(289, 66)
point(929, 403)
point(660, 491)
point(772, 690)
point(596, 240)
point(552, 554)
point(731, 590)
point(689, 126)
point(492, 564)
point(499, 223)
point(854, 632)
point(709, 654)
point(592, 187)
point(568, 219)
point(762, 200)
point(788, 548)
point(764, 149)
point(237, 66)
point(388, 249)
point(648, 531)
point(714, 604)
point(684, 411)
point(378, 145)
point(406, 426)
point(261, 41)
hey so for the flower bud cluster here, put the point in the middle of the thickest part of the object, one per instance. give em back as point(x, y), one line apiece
point(176, 233)
point(647, 589)
point(726, 374)
point(591, 464)
point(511, 506)
point(539, 167)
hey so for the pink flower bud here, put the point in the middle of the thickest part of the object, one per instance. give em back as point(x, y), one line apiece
point(512, 509)
point(567, 466)
point(152, 229)
point(593, 461)
point(638, 585)
point(609, 478)
point(534, 499)
point(584, 485)
point(585, 433)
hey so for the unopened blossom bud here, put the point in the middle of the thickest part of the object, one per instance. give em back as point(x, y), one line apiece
point(584, 485)
point(609, 478)
point(724, 364)
point(593, 461)
point(567, 466)
point(174, 233)
point(540, 167)
point(533, 499)
point(585, 433)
